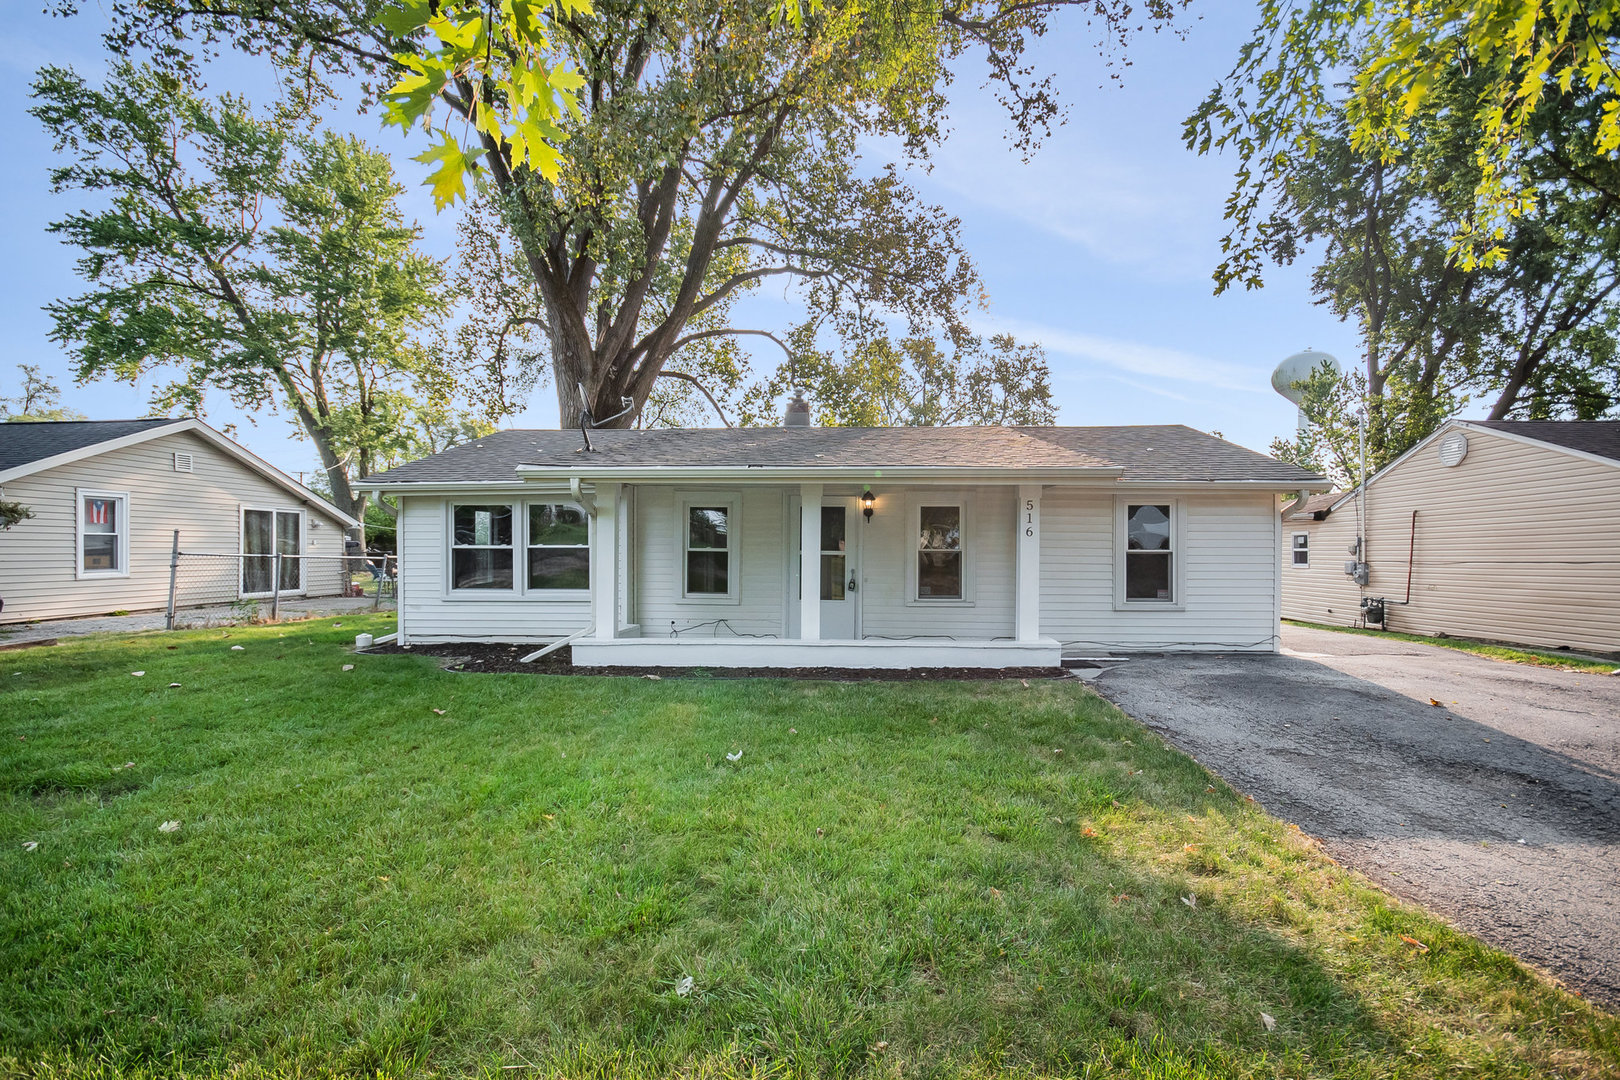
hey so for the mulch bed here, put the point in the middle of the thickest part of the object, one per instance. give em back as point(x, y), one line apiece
point(504, 659)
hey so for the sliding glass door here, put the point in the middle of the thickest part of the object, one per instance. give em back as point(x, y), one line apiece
point(265, 533)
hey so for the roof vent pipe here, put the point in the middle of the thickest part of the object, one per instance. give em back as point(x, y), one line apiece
point(797, 413)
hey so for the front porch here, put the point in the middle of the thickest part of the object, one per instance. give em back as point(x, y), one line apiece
point(913, 576)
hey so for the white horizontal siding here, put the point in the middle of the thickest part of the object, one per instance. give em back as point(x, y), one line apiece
point(37, 556)
point(1321, 592)
point(1518, 543)
point(428, 614)
point(760, 559)
point(1227, 547)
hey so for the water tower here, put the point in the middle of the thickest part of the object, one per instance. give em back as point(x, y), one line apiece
point(1297, 369)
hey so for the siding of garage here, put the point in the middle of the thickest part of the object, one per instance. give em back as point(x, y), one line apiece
point(1518, 543)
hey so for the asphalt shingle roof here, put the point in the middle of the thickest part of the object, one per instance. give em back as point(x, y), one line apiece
point(1313, 505)
point(1600, 437)
point(22, 442)
point(1168, 452)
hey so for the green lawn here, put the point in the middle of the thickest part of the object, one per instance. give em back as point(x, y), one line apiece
point(898, 879)
point(1536, 657)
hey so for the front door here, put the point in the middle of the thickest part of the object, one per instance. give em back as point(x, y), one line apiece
point(839, 582)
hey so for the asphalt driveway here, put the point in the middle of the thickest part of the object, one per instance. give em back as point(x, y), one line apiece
point(1499, 808)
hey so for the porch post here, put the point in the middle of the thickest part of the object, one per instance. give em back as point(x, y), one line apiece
point(605, 563)
point(1029, 562)
point(810, 562)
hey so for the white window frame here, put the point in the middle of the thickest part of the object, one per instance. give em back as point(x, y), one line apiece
point(241, 548)
point(963, 501)
point(1178, 554)
point(1294, 549)
point(122, 514)
point(522, 579)
point(520, 569)
point(732, 502)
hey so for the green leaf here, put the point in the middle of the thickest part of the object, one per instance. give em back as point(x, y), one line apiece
point(448, 179)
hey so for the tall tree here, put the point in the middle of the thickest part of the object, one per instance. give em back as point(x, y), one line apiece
point(712, 147)
point(38, 398)
point(912, 382)
point(234, 253)
point(1523, 59)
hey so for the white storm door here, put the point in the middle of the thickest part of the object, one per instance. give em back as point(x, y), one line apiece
point(840, 575)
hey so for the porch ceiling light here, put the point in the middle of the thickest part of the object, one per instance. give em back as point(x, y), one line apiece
point(867, 500)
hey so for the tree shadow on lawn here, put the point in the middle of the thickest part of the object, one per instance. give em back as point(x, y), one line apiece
point(932, 878)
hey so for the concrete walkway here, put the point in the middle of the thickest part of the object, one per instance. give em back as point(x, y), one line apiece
point(1498, 807)
point(218, 615)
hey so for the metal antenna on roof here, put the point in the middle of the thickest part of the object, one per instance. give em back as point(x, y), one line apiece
point(585, 422)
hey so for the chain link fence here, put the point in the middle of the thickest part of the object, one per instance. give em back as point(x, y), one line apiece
point(210, 587)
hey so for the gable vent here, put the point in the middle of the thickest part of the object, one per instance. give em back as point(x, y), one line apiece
point(182, 462)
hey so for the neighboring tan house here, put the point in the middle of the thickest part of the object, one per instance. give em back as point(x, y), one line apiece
point(925, 547)
point(1502, 530)
point(108, 495)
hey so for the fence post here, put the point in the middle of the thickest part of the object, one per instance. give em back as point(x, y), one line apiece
point(174, 569)
point(275, 595)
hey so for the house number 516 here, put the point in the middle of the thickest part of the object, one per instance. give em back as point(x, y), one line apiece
point(1029, 517)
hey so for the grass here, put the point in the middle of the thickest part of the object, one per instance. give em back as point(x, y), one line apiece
point(1537, 657)
point(921, 879)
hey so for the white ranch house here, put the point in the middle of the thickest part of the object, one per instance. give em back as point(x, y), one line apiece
point(924, 547)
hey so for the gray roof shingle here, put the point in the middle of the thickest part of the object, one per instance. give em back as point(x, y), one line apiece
point(1600, 437)
point(22, 442)
point(1169, 452)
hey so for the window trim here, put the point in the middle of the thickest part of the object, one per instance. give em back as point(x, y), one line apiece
point(522, 580)
point(241, 548)
point(122, 498)
point(732, 501)
point(519, 572)
point(1295, 549)
point(1178, 561)
point(963, 501)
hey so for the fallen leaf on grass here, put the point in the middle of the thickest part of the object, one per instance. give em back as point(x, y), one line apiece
point(238, 648)
point(382, 877)
point(880, 1046)
point(1415, 943)
point(1026, 687)
point(995, 893)
point(1269, 1021)
point(734, 757)
point(169, 826)
point(684, 987)
point(1189, 847)
point(438, 712)
point(1191, 900)
point(30, 845)
point(1088, 831)
point(348, 667)
point(654, 678)
point(174, 686)
point(793, 731)
point(137, 674)
point(1118, 805)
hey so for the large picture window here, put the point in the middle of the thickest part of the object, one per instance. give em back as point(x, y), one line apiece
point(939, 553)
point(708, 548)
point(559, 555)
point(1149, 553)
point(103, 534)
point(481, 546)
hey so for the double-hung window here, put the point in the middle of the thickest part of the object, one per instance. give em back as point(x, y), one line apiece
point(559, 556)
point(708, 547)
point(103, 534)
point(1302, 550)
point(940, 571)
point(1150, 553)
point(481, 546)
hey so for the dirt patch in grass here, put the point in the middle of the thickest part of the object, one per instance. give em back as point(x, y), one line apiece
point(506, 659)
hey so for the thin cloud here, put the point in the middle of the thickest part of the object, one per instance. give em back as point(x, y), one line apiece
point(1153, 361)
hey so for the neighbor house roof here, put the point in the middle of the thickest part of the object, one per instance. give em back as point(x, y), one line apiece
point(1150, 454)
point(25, 442)
point(34, 446)
point(1598, 437)
point(1313, 506)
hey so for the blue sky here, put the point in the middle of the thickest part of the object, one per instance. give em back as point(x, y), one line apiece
point(1100, 248)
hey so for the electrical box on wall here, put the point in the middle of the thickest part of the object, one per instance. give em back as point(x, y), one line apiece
point(1356, 571)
